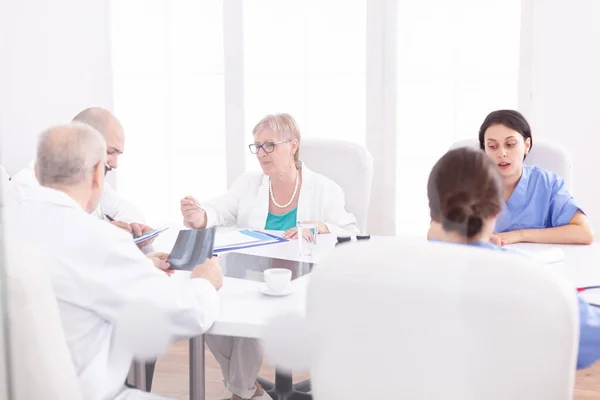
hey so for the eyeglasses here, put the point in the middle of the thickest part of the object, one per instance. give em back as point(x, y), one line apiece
point(268, 147)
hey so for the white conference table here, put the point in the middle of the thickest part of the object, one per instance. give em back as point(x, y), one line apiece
point(246, 311)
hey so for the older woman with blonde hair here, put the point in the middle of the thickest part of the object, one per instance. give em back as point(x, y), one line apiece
point(285, 192)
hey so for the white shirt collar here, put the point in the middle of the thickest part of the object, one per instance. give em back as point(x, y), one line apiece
point(47, 195)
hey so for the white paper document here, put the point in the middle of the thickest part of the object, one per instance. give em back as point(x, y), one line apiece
point(545, 256)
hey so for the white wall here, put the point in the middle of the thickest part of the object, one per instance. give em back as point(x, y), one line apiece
point(565, 89)
point(54, 62)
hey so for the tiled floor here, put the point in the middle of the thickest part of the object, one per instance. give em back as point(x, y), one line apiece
point(171, 378)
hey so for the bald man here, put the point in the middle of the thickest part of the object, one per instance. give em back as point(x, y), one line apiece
point(111, 208)
point(95, 269)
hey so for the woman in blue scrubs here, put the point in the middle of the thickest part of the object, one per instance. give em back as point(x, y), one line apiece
point(465, 195)
point(538, 207)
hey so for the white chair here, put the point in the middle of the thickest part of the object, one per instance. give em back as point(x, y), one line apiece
point(550, 156)
point(407, 319)
point(40, 361)
point(41, 366)
point(351, 167)
point(347, 164)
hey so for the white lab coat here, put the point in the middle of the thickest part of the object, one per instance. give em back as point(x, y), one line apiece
point(4, 177)
point(4, 183)
point(116, 207)
point(246, 204)
point(96, 270)
point(26, 176)
point(110, 204)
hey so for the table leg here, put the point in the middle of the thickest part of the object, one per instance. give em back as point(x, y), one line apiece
point(197, 373)
point(137, 375)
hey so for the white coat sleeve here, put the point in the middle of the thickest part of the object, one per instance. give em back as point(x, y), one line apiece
point(118, 208)
point(126, 276)
point(4, 180)
point(223, 210)
point(4, 175)
point(338, 220)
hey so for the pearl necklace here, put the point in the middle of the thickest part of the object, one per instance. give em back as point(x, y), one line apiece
point(293, 194)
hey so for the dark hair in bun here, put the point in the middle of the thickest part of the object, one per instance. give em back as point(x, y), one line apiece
point(464, 189)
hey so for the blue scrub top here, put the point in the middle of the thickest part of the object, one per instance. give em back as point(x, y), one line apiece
point(589, 322)
point(540, 200)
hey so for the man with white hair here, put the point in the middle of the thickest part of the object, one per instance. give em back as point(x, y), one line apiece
point(95, 268)
point(111, 207)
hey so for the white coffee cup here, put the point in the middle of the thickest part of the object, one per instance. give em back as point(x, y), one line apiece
point(278, 280)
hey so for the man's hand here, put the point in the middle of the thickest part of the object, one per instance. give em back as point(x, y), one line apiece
point(123, 225)
point(138, 230)
point(193, 215)
point(211, 271)
point(160, 261)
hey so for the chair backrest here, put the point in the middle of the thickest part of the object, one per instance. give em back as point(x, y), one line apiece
point(347, 164)
point(42, 367)
point(41, 362)
point(546, 155)
point(407, 319)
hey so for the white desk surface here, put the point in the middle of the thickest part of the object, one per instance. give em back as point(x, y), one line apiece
point(245, 310)
point(581, 264)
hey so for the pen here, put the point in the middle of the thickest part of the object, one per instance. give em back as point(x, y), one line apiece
point(108, 217)
point(192, 202)
point(583, 289)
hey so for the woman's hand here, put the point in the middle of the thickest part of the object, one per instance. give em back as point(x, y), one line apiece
point(495, 239)
point(293, 232)
point(505, 238)
point(193, 215)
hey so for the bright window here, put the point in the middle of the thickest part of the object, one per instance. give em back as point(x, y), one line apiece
point(168, 91)
point(457, 61)
point(306, 58)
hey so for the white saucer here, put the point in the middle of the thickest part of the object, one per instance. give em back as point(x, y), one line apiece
point(265, 290)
